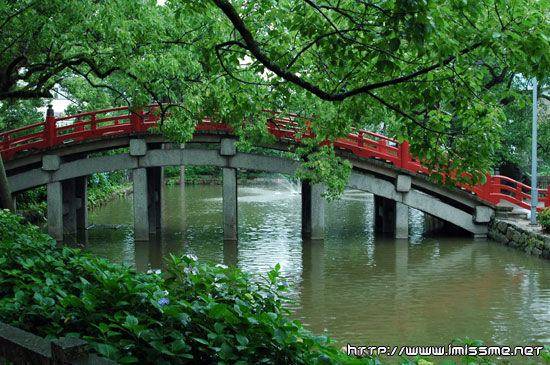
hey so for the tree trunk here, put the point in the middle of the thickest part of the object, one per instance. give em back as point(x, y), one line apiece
point(5, 194)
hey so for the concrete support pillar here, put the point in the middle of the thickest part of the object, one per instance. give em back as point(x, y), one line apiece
point(230, 253)
point(384, 215)
point(229, 192)
point(69, 206)
point(182, 169)
point(401, 221)
point(228, 149)
point(313, 211)
point(55, 210)
point(81, 194)
point(154, 197)
point(141, 211)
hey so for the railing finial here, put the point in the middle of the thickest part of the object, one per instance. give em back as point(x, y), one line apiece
point(49, 112)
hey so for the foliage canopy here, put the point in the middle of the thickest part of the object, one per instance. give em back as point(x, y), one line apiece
point(433, 72)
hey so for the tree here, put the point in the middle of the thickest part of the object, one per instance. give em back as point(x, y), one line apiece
point(434, 73)
point(135, 49)
point(513, 156)
point(15, 113)
point(442, 69)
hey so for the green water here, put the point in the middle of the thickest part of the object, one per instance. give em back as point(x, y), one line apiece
point(358, 288)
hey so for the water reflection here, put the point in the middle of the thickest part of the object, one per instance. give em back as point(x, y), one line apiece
point(358, 288)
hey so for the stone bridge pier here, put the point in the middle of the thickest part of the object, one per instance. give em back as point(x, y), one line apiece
point(313, 204)
point(67, 195)
point(67, 201)
point(391, 217)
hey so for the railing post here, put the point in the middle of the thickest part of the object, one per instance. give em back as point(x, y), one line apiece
point(404, 155)
point(50, 127)
point(93, 125)
point(547, 201)
point(486, 188)
point(79, 127)
point(382, 146)
point(6, 142)
point(495, 189)
point(136, 117)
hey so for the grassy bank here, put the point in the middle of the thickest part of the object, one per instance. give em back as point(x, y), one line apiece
point(32, 205)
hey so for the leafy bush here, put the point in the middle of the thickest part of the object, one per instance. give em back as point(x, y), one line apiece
point(544, 218)
point(195, 313)
point(33, 196)
point(98, 195)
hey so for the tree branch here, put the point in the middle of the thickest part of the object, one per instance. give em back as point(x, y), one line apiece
point(24, 94)
point(402, 113)
point(254, 48)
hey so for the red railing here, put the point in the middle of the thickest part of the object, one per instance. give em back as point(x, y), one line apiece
point(360, 142)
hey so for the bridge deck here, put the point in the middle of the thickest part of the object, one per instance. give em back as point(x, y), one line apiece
point(104, 124)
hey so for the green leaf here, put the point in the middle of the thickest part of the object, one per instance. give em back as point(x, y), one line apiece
point(201, 340)
point(243, 340)
point(107, 350)
point(217, 310)
point(179, 346)
point(279, 335)
point(394, 44)
point(131, 322)
point(19, 295)
point(225, 351)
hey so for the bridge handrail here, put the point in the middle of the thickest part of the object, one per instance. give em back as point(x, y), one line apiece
point(95, 112)
point(360, 142)
point(30, 126)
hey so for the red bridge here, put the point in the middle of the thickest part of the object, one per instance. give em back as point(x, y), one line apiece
point(56, 131)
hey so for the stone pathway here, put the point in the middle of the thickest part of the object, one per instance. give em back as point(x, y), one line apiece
point(526, 225)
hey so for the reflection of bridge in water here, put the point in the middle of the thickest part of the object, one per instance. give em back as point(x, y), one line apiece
point(58, 157)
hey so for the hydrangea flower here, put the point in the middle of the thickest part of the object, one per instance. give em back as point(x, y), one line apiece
point(192, 257)
point(163, 301)
point(191, 270)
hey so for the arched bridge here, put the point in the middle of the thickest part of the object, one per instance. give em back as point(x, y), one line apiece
point(56, 152)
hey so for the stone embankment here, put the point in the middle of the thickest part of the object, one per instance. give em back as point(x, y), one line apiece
point(521, 236)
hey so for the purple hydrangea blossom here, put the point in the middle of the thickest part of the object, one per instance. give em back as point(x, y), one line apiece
point(191, 270)
point(163, 301)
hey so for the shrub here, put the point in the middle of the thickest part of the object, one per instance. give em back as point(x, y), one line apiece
point(544, 218)
point(195, 313)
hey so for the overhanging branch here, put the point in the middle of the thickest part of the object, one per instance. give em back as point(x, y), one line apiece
point(254, 48)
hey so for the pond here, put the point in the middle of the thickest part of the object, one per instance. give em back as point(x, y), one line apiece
point(357, 288)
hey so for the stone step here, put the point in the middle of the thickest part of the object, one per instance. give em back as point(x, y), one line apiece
point(504, 208)
point(511, 215)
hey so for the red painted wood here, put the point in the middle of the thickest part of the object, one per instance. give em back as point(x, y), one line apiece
point(360, 142)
